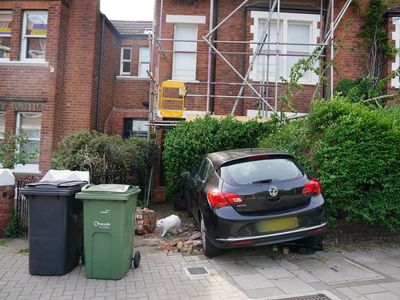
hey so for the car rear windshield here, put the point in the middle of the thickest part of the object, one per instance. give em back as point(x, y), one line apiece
point(260, 171)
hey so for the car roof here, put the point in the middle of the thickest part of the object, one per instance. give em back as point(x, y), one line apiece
point(222, 157)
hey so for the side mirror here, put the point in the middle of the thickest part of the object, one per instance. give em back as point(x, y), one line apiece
point(185, 175)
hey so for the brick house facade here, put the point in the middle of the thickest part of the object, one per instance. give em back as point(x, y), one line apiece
point(60, 67)
point(66, 68)
point(301, 22)
point(296, 19)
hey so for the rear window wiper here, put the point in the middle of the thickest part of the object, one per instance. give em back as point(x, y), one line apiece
point(263, 181)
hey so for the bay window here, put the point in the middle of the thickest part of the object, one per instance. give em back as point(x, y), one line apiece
point(144, 61)
point(184, 60)
point(126, 59)
point(298, 34)
point(30, 124)
point(5, 34)
point(396, 62)
point(34, 35)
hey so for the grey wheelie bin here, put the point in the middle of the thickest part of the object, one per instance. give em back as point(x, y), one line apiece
point(55, 227)
point(109, 229)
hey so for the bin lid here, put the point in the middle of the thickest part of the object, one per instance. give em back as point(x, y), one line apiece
point(108, 192)
point(53, 188)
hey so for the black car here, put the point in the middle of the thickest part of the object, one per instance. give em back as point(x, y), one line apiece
point(252, 197)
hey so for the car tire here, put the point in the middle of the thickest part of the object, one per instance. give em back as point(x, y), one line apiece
point(208, 247)
point(136, 259)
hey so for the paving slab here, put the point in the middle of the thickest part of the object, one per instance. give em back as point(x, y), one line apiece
point(370, 273)
point(369, 289)
point(252, 281)
point(337, 270)
point(274, 272)
point(292, 285)
point(383, 296)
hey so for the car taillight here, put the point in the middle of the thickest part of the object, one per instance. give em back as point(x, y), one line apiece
point(312, 187)
point(218, 199)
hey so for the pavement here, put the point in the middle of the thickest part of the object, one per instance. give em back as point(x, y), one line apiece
point(370, 271)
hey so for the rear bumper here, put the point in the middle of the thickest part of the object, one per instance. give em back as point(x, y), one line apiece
point(272, 238)
point(228, 229)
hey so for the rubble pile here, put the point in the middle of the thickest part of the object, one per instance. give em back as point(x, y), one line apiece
point(186, 240)
point(188, 244)
point(145, 221)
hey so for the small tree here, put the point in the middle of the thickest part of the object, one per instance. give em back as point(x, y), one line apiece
point(9, 154)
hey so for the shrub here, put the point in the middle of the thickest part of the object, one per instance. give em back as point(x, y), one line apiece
point(293, 138)
point(354, 150)
point(359, 89)
point(189, 141)
point(98, 153)
point(357, 161)
point(9, 156)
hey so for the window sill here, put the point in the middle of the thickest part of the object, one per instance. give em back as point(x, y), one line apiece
point(126, 77)
point(281, 82)
point(23, 63)
point(186, 80)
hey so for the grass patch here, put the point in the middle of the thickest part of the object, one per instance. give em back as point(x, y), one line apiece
point(2, 242)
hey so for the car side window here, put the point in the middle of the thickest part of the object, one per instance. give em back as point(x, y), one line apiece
point(205, 169)
point(198, 170)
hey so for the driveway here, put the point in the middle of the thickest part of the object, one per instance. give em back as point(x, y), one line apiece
point(370, 271)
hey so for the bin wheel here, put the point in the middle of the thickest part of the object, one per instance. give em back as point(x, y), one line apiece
point(136, 259)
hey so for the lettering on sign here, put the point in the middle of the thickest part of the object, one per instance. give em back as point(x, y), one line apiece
point(102, 225)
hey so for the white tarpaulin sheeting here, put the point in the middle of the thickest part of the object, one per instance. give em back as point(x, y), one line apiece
point(6, 177)
point(66, 175)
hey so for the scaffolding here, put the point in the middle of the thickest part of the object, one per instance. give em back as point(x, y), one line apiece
point(261, 88)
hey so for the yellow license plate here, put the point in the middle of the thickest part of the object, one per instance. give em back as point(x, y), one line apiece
point(278, 224)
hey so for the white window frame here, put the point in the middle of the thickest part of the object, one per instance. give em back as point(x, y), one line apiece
point(6, 12)
point(396, 39)
point(285, 19)
point(28, 167)
point(140, 63)
point(121, 70)
point(192, 78)
point(24, 37)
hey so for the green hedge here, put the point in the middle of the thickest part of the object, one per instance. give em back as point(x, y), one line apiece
point(354, 150)
point(293, 138)
point(97, 153)
point(189, 141)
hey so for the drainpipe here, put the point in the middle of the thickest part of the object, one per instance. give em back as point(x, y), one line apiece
point(212, 58)
point(99, 77)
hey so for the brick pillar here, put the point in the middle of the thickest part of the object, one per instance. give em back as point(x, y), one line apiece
point(7, 192)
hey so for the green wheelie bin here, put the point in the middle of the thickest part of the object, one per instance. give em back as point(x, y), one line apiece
point(109, 230)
